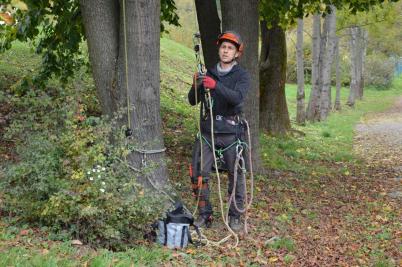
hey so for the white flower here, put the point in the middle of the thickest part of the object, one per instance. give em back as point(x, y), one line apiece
point(91, 178)
point(93, 170)
point(98, 166)
point(103, 183)
point(102, 190)
point(103, 169)
point(98, 170)
point(89, 172)
point(99, 176)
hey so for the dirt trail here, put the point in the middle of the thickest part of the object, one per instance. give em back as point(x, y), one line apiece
point(379, 141)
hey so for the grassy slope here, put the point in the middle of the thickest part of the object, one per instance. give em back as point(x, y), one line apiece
point(324, 142)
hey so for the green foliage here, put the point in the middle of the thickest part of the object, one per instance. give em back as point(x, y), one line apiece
point(69, 175)
point(57, 30)
point(169, 14)
point(285, 12)
point(323, 142)
point(379, 71)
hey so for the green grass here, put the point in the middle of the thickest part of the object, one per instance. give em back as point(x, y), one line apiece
point(65, 255)
point(331, 140)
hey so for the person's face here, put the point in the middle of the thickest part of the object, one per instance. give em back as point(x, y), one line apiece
point(227, 52)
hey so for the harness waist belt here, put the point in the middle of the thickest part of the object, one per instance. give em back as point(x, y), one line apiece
point(233, 120)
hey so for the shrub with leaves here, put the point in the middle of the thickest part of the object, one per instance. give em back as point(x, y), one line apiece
point(379, 70)
point(69, 175)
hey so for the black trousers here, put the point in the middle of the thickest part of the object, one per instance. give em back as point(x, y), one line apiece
point(221, 141)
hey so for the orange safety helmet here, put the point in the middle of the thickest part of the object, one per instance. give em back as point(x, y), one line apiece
point(233, 37)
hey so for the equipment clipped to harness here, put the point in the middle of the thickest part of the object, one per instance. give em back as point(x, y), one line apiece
point(174, 230)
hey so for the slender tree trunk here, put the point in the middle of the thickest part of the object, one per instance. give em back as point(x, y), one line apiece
point(242, 16)
point(301, 114)
point(359, 63)
point(327, 63)
point(314, 101)
point(361, 54)
point(103, 22)
point(338, 77)
point(210, 27)
point(353, 67)
point(274, 116)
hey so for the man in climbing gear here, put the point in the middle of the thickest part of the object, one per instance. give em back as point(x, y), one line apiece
point(228, 83)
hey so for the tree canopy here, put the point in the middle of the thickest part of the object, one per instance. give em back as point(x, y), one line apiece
point(56, 29)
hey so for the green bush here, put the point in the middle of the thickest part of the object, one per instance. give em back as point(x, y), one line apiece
point(379, 71)
point(69, 176)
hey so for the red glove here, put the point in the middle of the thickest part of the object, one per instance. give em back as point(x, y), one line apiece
point(209, 83)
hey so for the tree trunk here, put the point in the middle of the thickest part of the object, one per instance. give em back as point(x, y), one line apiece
point(210, 27)
point(106, 41)
point(338, 77)
point(314, 101)
point(361, 54)
point(242, 16)
point(353, 67)
point(273, 107)
point(327, 63)
point(301, 114)
point(101, 22)
point(143, 43)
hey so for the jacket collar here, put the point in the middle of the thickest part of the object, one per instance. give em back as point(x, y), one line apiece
point(214, 70)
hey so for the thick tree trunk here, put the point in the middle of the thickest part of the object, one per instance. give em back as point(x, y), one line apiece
point(301, 114)
point(103, 21)
point(353, 67)
point(314, 101)
point(274, 116)
point(143, 41)
point(327, 63)
point(210, 27)
point(337, 105)
point(242, 16)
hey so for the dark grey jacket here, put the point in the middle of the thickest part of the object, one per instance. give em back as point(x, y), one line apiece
point(228, 96)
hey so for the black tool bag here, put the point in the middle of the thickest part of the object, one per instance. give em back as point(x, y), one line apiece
point(174, 230)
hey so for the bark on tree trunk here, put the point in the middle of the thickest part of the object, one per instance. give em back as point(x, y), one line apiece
point(314, 101)
point(143, 43)
point(327, 63)
point(353, 67)
point(274, 116)
point(361, 54)
point(210, 27)
point(301, 114)
point(103, 22)
point(338, 77)
point(242, 16)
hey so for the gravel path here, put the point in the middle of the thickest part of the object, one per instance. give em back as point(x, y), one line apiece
point(379, 137)
point(379, 141)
